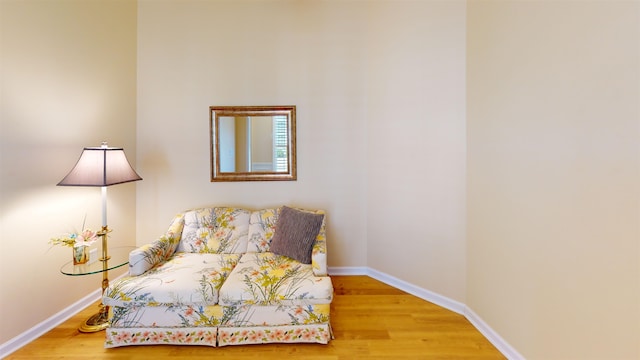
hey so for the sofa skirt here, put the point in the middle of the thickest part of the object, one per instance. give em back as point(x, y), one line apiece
point(316, 333)
point(217, 325)
point(222, 336)
point(116, 337)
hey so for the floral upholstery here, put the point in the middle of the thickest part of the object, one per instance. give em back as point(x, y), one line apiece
point(150, 255)
point(219, 325)
point(211, 280)
point(215, 230)
point(190, 316)
point(186, 279)
point(153, 336)
point(267, 334)
point(270, 279)
point(262, 226)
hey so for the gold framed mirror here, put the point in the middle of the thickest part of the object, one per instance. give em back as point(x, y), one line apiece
point(253, 143)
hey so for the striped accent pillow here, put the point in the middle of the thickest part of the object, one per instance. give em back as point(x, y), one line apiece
point(295, 234)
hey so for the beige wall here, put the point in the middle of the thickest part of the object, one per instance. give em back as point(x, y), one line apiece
point(356, 85)
point(311, 56)
point(68, 81)
point(415, 137)
point(554, 176)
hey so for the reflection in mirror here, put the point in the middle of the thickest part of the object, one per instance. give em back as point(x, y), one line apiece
point(253, 143)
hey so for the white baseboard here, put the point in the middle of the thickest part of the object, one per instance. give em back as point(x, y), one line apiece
point(507, 350)
point(430, 296)
point(35, 332)
point(494, 338)
point(347, 270)
point(424, 294)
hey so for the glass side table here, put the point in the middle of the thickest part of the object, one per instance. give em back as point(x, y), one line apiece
point(117, 257)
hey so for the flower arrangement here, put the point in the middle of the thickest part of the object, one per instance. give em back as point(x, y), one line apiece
point(79, 242)
point(77, 239)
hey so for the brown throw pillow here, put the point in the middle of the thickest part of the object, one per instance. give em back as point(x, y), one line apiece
point(295, 233)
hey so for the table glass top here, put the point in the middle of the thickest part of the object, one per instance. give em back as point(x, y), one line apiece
point(119, 256)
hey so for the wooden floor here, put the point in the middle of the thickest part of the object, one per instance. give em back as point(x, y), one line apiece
point(370, 320)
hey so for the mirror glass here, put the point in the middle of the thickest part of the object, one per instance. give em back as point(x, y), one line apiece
point(253, 143)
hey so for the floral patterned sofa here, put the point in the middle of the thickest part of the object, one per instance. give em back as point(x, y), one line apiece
point(226, 276)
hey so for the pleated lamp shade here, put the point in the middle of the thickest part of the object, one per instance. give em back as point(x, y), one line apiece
point(101, 166)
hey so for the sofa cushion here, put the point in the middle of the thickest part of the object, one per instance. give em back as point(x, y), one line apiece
point(221, 230)
point(271, 279)
point(262, 226)
point(186, 279)
point(295, 233)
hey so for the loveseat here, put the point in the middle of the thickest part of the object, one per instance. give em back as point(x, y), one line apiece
point(226, 276)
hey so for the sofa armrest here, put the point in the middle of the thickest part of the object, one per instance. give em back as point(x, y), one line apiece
point(319, 252)
point(150, 255)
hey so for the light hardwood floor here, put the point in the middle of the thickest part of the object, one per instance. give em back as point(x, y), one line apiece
point(370, 320)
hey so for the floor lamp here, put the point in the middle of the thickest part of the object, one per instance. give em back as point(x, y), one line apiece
point(101, 166)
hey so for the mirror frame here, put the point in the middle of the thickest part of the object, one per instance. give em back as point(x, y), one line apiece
point(216, 112)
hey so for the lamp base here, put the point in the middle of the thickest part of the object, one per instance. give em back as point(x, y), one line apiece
point(95, 323)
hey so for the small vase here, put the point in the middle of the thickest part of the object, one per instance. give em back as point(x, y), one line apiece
point(80, 255)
